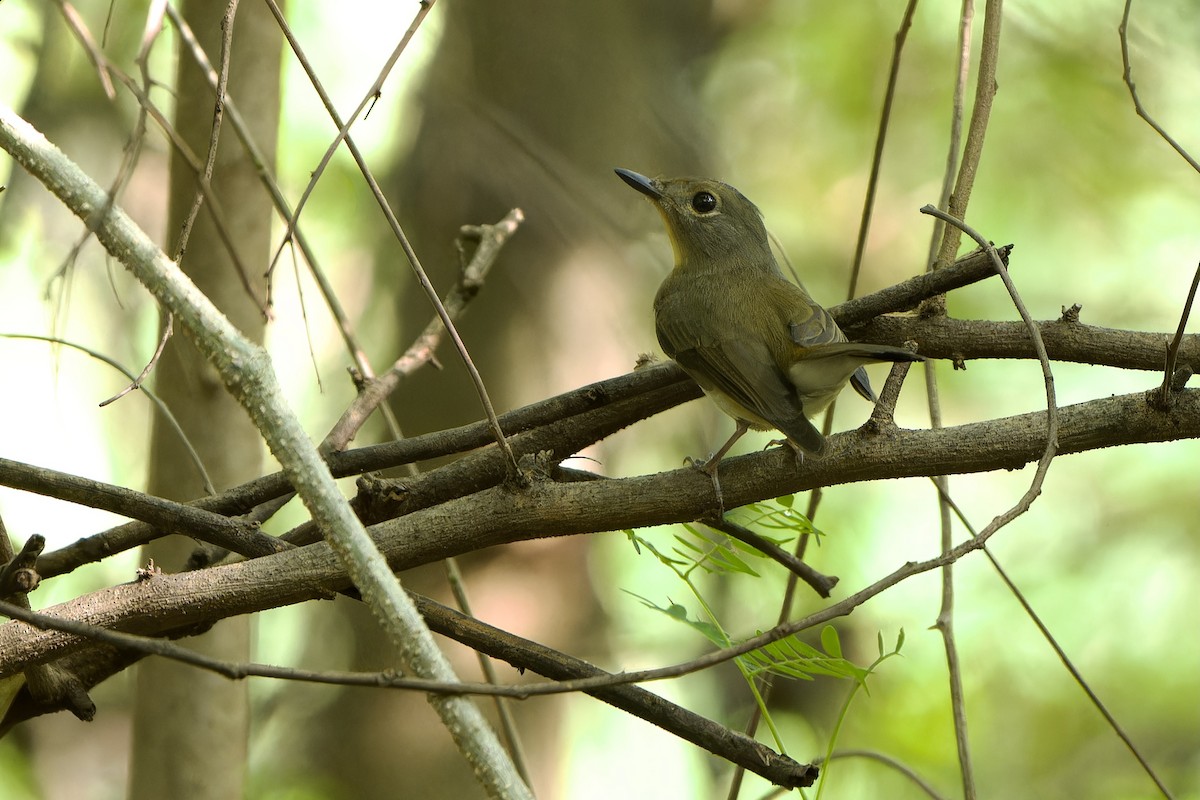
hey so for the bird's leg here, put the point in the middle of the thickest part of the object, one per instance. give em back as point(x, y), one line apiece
point(709, 467)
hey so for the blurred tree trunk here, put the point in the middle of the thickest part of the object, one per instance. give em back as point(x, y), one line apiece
point(518, 108)
point(534, 110)
point(191, 726)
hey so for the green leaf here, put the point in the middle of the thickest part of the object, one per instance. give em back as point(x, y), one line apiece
point(679, 613)
point(794, 658)
point(830, 641)
point(711, 556)
point(634, 539)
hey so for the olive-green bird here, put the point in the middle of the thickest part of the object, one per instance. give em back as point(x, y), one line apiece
point(758, 344)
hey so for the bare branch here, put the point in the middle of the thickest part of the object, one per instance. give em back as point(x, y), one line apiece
point(491, 517)
point(570, 675)
point(76, 25)
point(985, 92)
point(1127, 75)
point(205, 481)
point(185, 230)
point(1173, 381)
point(246, 371)
point(168, 516)
point(137, 382)
point(885, 117)
point(490, 238)
point(393, 223)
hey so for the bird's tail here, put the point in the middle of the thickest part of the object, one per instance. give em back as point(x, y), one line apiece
point(868, 353)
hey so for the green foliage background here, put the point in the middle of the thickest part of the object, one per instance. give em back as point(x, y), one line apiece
point(1102, 213)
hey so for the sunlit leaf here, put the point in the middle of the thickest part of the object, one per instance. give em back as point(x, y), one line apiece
point(830, 641)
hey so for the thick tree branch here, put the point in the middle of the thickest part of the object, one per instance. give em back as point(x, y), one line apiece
point(939, 338)
point(963, 340)
point(242, 499)
point(498, 515)
point(666, 381)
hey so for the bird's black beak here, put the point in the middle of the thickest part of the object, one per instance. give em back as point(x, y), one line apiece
point(643, 184)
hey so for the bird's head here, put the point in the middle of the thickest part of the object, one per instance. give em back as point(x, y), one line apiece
point(709, 222)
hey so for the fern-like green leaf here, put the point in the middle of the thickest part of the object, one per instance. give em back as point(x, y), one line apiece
point(678, 613)
point(794, 658)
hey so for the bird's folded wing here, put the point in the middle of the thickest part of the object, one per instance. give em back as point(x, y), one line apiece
point(812, 325)
point(744, 371)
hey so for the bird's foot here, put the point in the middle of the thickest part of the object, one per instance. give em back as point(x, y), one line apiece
point(797, 453)
point(709, 467)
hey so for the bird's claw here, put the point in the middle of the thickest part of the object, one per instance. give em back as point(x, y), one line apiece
point(797, 453)
point(709, 467)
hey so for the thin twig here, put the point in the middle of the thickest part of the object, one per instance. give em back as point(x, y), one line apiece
point(1060, 653)
point(945, 615)
point(78, 27)
point(262, 162)
point(129, 158)
point(514, 472)
point(1169, 379)
point(491, 238)
point(1123, 33)
point(185, 229)
point(220, 224)
point(343, 133)
point(1034, 333)
point(894, 764)
point(885, 118)
point(573, 675)
point(945, 618)
point(1035, 487)
point(985, 92)
point(201, 472)
point(1171, 382)
point(136, 383)
point(508, 724)
point(150, 32)
point(961, 72)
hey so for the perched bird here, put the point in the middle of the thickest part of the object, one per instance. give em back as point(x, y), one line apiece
point(758, 344)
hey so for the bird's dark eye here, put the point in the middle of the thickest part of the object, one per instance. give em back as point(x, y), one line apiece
point(704, 202)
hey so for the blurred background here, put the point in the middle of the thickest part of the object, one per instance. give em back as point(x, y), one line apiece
point(495, 106)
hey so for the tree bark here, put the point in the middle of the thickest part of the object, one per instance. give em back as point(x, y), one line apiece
point(191, 728)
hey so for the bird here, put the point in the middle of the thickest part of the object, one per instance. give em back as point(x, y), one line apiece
point(759, 346)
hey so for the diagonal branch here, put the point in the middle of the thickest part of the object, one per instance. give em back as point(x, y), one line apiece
point(246, 371)
point(1127, 75)
point(491, 239)
point(565, 670)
